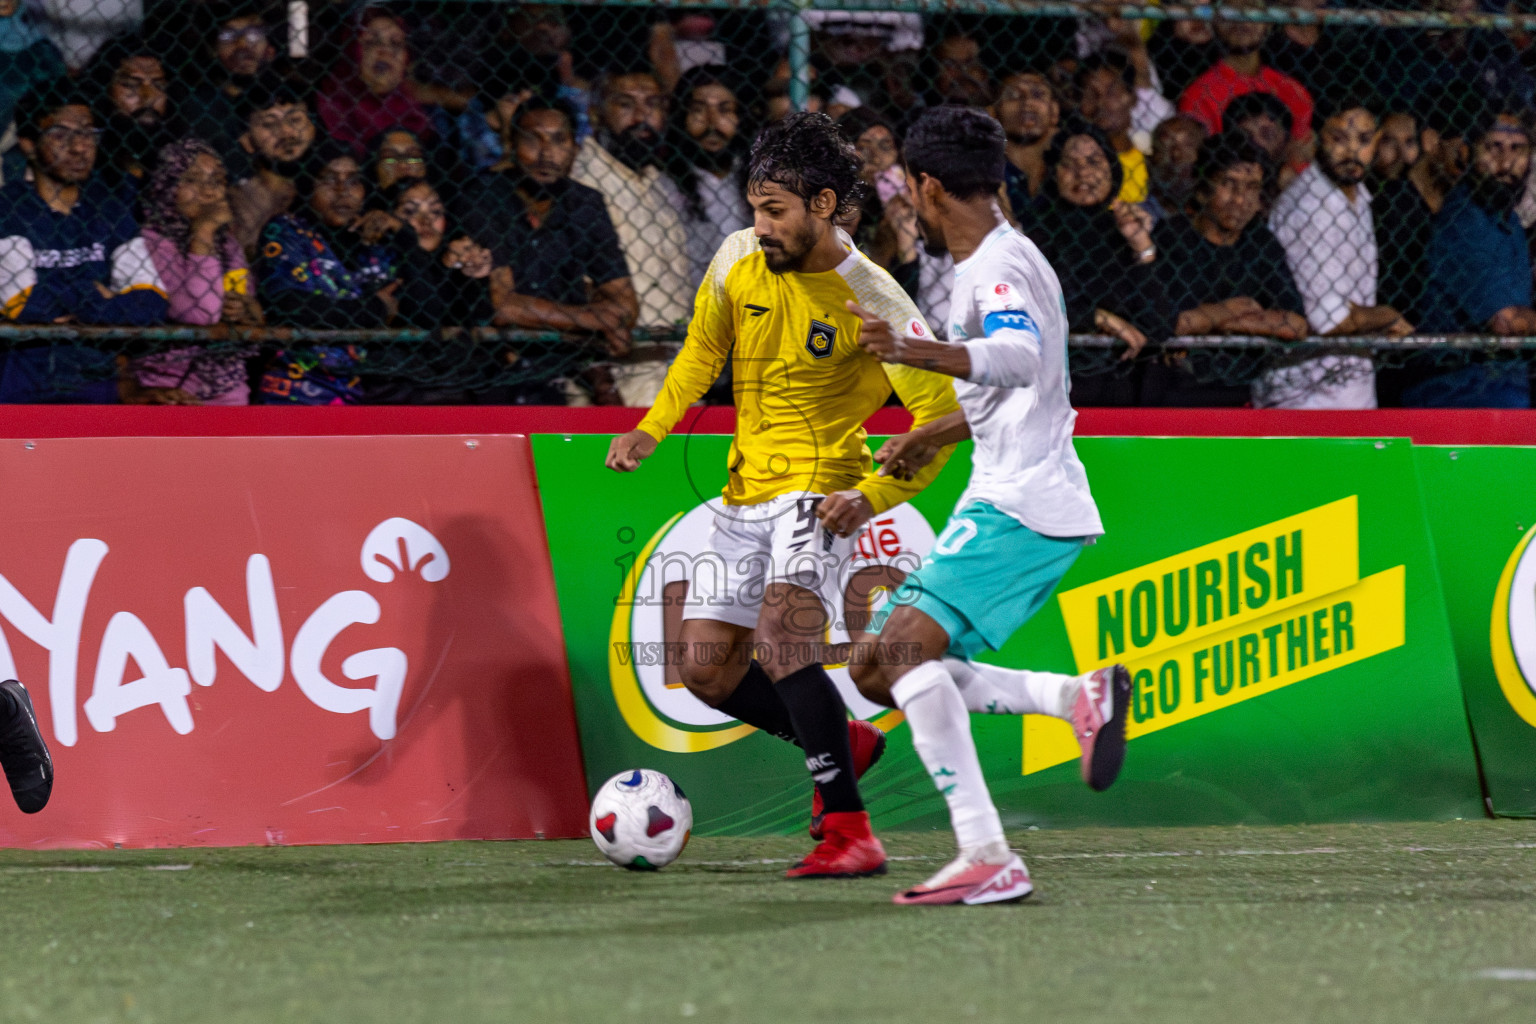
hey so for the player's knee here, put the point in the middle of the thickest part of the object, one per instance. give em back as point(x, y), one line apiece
point(869, 677)
point(712, 684)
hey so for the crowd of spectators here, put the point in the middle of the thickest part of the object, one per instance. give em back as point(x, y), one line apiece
point(443, 165)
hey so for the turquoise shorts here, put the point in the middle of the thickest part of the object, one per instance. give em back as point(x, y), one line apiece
point(987, 575)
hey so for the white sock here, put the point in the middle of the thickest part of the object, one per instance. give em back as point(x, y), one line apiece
point(990, 690)
point(941, 732)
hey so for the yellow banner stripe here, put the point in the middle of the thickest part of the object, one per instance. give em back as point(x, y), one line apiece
point(1212, 589)
point(1243, 662)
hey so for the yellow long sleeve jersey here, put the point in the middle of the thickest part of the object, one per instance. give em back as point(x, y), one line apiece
point(803, 387)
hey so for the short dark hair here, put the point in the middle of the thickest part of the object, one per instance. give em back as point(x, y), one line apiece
point(806, 154)
point(962, 148)
point(1489, 116)
point(1230, 148)
point(321, 155)
point(1107, 60)
point(1335, 104)
point(538, 103)
point(1454, 111)
point(35, 107)
point(270, 90)
point(1257, 104)
point(859, 120)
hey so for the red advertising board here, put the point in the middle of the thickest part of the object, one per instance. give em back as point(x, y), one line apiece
point(286, 640)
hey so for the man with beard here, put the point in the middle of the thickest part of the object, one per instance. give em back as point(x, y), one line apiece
point(70, 252)
point(278, 134)
point(1242, 70)
point(801, 482)
point(623, 161)
point(706, 162)
point(1405, 207)
point(134, 103)
point(1171, 167)
point(557, 260)
point(1029, 112)
point(240, 40)
point(1324, 222)
point(1480, 269)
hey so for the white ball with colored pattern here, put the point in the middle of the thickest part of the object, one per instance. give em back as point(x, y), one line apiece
point(641, 820)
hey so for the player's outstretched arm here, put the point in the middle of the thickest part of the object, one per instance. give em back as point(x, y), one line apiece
point(626, 451)
point(905, 455)
point(881, 340)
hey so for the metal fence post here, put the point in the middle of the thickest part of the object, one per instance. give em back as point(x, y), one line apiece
point(799, 55)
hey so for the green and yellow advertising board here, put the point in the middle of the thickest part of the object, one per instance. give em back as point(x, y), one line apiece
point(1277, 602)
point(1481, 505)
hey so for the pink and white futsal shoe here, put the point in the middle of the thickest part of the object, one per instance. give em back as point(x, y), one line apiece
point(969, 880)
point(1098, 719)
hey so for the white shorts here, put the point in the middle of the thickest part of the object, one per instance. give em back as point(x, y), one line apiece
point(777, 541)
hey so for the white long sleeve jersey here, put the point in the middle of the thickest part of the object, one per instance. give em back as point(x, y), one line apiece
point(1006, 307)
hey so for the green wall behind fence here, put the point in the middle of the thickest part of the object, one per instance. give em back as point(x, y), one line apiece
point(1365, 737)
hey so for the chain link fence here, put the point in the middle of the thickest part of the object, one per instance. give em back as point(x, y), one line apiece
point(230, 201)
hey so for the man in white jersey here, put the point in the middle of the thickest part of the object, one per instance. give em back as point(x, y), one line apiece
point(1017, 529)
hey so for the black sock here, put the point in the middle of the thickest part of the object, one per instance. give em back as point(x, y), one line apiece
point(758, 703)
point(821, 723)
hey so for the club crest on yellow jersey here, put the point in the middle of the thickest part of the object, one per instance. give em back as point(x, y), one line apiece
point(821, 339)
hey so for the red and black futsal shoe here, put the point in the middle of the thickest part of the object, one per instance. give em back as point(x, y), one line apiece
point(868, 744)
point(850, 849)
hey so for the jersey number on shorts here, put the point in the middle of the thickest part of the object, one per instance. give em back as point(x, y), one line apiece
point(805, 524)
point(955, 536)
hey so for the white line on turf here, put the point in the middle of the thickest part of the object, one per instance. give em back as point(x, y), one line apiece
point(1507, 974)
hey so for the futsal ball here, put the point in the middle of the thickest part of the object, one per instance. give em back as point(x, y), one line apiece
point(641, 820)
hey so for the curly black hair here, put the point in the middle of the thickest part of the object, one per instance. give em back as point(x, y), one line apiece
point(806, 154)
point(960, 147)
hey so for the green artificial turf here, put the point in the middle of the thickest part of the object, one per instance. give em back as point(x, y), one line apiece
point(1399, 923)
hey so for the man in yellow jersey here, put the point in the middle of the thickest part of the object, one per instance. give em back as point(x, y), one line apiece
point(801, 483)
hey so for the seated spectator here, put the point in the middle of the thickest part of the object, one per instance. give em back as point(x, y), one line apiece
point(709, 141)
point(1182, 51)
point(1171, 167)
point(397, 156)
point(1324, 222)
point(1029, 111)
point(443, 283)
point(314, 269)
point(1480, 269)
point(1122, 37)
point(1100, 248)
point(278, 135)
point(370, 92)
point(134, 106)
point(27, 60)
point(1106, 85)
point(1411, 178)
point(1242, 70)
point(959, 76)
point(1396, 150)
point(70, 252)
point(623, 161)
point(884, 223)
point(1266, 121)
point(1224, 270)
point(557, 258)
point(312, 275)
point(187, 229)
point(240, 43)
